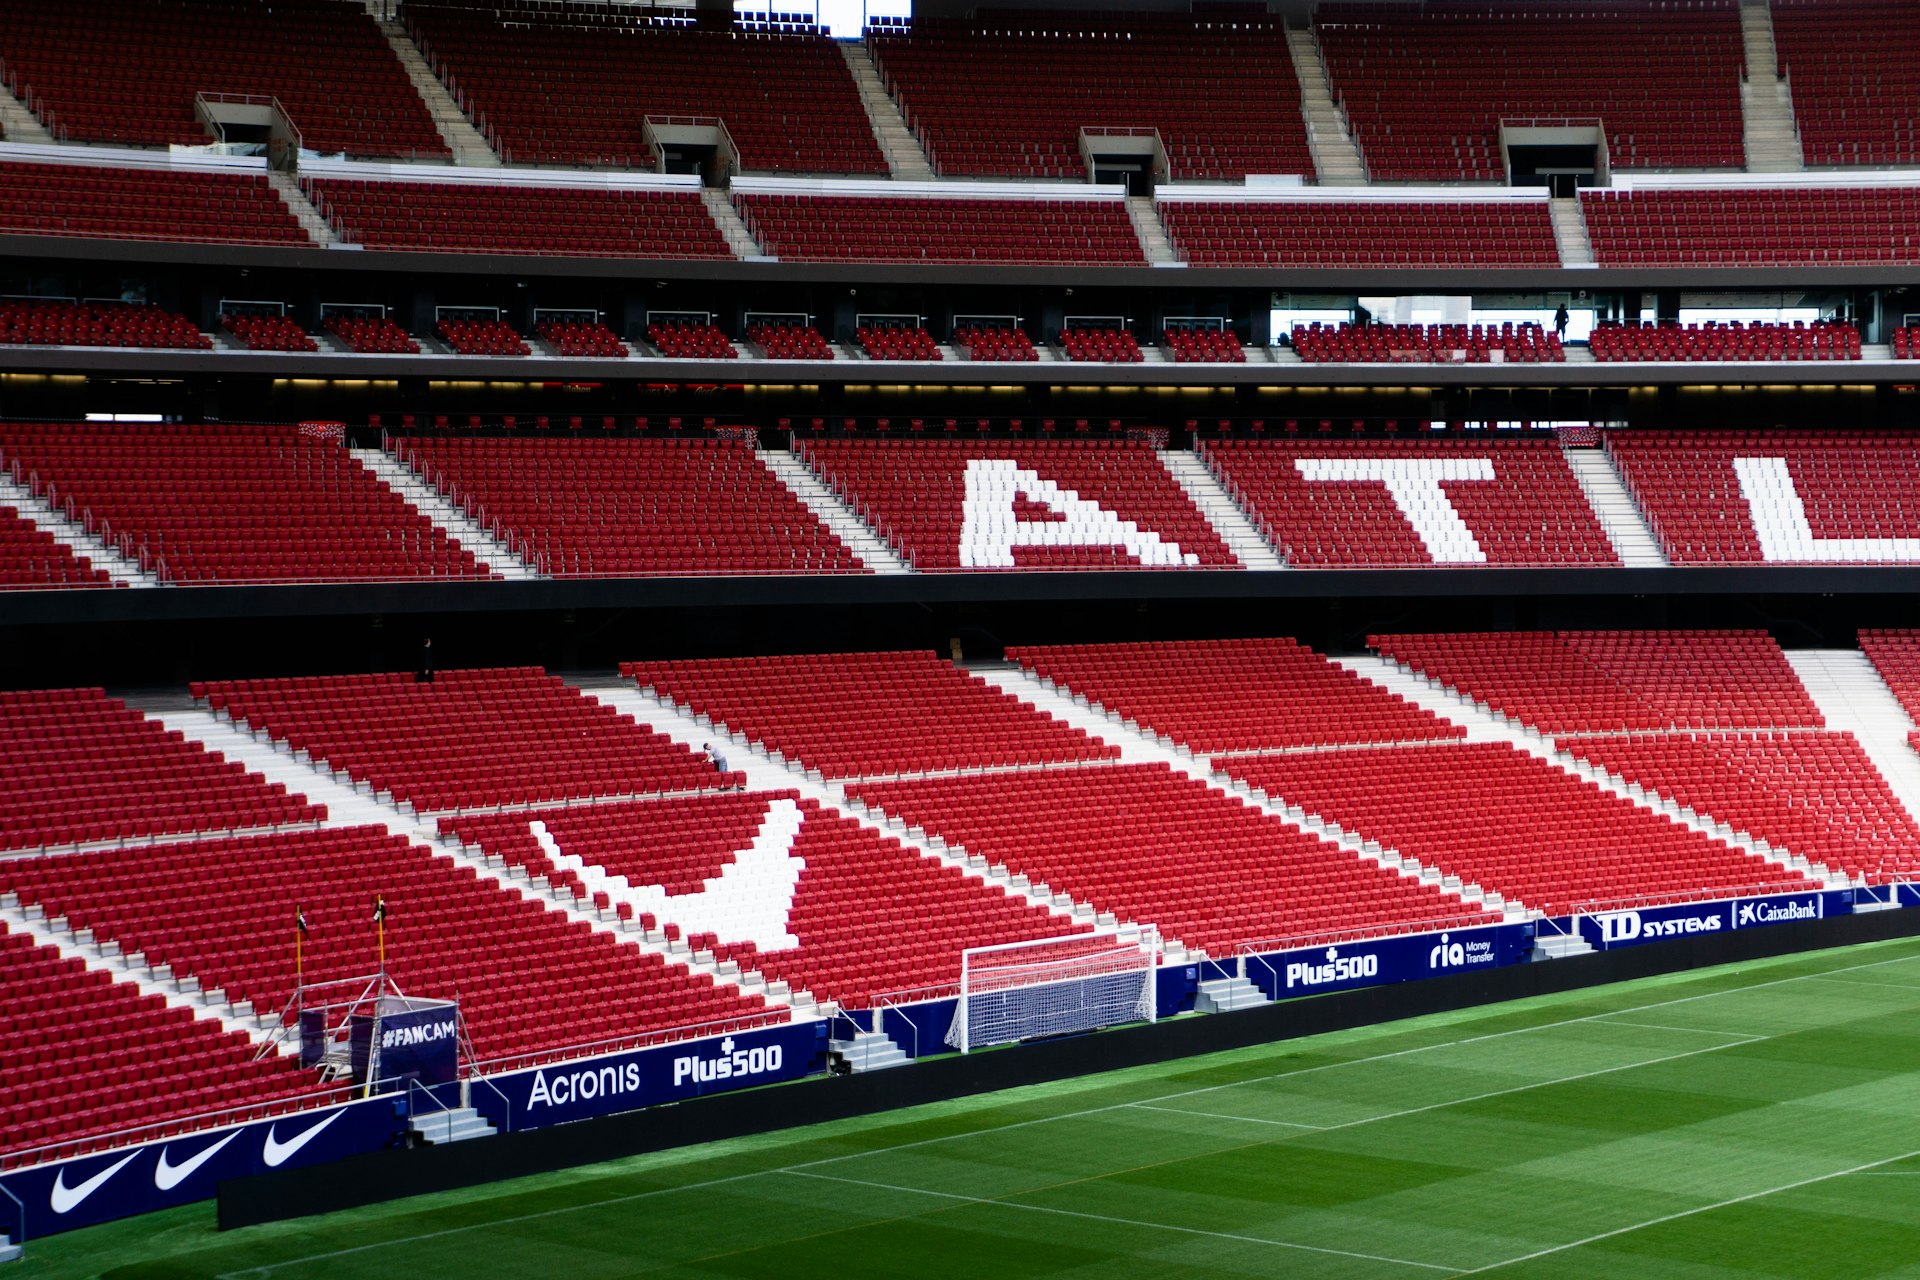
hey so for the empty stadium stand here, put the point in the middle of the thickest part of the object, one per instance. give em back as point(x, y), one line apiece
point(1215, 696)
point(32, 557)
point(511, 735)
point(1361, 233)
point(995, 343)
point(789, 342)
point(1151, 846)
point(98, 202)
point(324, 61)
point(268, 333)
point(1007, 93)
point(1777, 496)
point(867, 714)
point(631, 506)
point(1204, 346)
point(492, 217)
point(26, 322)
point(939, 228)
point(1037, 504)
point(1732, 341)
point(81, 768)
point(1425, 89)
point(482, 338)
point(1752, 226)
point(573, 85)
point(1102, 346)
point(233, 503)
point(573, 338)
point(1413, 502)
point(372, 336)
point(692, 342)
point(1850, 66)
point(886, 343)
point(1508, 343)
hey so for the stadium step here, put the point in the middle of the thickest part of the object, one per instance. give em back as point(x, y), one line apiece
point(1570, 233)
point(1225, 995)
point(1152, 233)
point(470, 149)
point(1558, 946)
point(454, 522)
point(1848, 689)
point(727, 218)
point(1221, 511)
point(1615, 509)
point(1771, 139)
point(17, 123)
point(460, 1124)
point(9, 1251)
point(1334, 154)
point(867, 1051)
point(122, 570)
point(317, 227)
point(848, 527)
point(906, 160)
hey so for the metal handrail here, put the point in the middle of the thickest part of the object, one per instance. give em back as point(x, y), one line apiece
point(21, 1209)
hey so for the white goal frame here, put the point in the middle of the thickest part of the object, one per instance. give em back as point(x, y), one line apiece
point(1080, 990)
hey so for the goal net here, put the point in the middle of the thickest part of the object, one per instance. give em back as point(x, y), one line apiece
point(1023, 990)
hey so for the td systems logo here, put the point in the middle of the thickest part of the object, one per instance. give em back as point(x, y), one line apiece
point(1627, 926)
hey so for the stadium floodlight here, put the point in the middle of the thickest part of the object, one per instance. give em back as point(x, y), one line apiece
point(1053, 986)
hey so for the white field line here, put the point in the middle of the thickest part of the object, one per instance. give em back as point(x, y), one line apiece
point(730, 1179)
point(1221, 1115)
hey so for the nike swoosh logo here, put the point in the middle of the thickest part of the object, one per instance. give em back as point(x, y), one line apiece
point(65, 1198)
point(277, 1152)
point(168, 1176)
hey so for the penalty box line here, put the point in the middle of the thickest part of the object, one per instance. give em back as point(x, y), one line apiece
point(730, 1179)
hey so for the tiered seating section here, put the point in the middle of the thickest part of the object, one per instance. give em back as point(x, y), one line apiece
point(573, 338)
point(916, 497)
point(32, 557)
point(97, 324)
point(572, 85)
point(1354, 233)
point(1205, 346)
point(368, 335)
point(692, 342)
point(988, 343)
point(632, 506)
point(1007, 94)
point(466, 217)
point(868, 714)
point(1850, 66)
point(268, 333)
point(1713, 341)
point(510, 735)
point(482, 338)
point(214, 504)
point(789, 342)
point(325, 60)
point(1425, 89)
point(144, 204)
point(928, 229)
point(1784, 226)
point(1378, 503)
point(78, 767)
point(1214, 696)
point(887, 343)
point(1775, 497)
point(1102, 346)
point(1319, 343)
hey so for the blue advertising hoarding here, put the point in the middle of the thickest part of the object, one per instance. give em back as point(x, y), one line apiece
point(646, 1077)
point(92, 1189)
point(1605, 930)
point(1345, 966)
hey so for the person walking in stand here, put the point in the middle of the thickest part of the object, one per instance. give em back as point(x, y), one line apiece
point(718, 761)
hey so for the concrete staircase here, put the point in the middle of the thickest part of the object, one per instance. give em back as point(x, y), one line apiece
point(727, 218)
point(1334, 153)
point(1151, 232)
point(9, 1251)
point(848, 527)
point(1766, 104)
point(470, 149)
point(1847, 688)
point(457, 1124)
point(96, 552)
point(1225, 995)
point(1615, 509)
point(1558, 946)
point(457, 524)
point(317, 228)
point(17, 124)
point(866, 1051)
point(905, 159)
point(1222, 512)
point(1570, 233)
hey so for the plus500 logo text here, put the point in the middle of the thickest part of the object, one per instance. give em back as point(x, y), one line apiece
point(1337, 968)
point(1627, 926)
point(731, 1064)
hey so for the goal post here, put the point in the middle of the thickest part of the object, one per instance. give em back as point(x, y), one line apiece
point(1054, 986)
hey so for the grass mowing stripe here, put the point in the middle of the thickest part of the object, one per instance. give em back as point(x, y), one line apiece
point(1869, 1167)
point(1655, 1026)
point(1215, 1115)
point(1012, 1126)
point(990, 1202)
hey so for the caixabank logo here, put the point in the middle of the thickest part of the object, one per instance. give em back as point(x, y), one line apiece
point(1781, 911)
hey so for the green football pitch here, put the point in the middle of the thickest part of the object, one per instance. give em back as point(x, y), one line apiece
point(1753, 1120)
